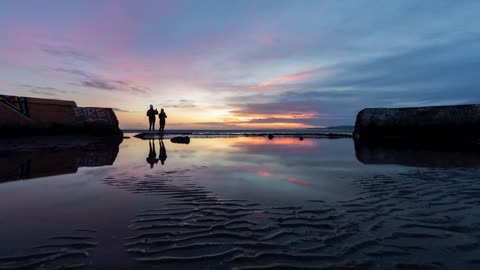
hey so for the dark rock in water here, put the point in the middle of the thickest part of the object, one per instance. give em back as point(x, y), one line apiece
point(301, 138)
point(181, 139)
point(270, 136)
point(440, 123)
point(147, 135)
point(140, 135)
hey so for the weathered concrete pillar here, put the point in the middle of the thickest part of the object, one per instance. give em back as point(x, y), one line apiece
point(436, 123)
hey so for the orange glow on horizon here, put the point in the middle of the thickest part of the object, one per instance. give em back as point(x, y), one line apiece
point(273, 125)
point(194, 118)
point(131, 120)
point(240, 115)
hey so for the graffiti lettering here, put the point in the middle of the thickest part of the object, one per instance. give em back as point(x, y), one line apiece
point(18, 104)
point(94, 115)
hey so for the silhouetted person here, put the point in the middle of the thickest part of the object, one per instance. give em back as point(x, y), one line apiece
point(162, 117)
point(152, 154)
point(151, 118)
point(163, 153)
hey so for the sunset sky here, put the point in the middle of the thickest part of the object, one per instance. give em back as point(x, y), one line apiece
point(242, 64)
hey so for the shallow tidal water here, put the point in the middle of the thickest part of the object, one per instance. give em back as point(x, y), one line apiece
point(239, 203)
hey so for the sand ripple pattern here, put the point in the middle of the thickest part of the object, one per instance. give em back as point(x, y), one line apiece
point(161, 184)
point(426, 219)
point(61, 252)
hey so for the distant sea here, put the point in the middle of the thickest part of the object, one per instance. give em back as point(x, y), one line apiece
point(230, 132)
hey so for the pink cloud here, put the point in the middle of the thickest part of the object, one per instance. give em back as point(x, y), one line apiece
point(277, 110)
point(5, 84)
point(268, 39)
point(298, 181)
point(278, 82)
point(109, 37)
point(264, 172)
point(261, 86)
point(107, 32)
point(297, 76)
point(20, 44)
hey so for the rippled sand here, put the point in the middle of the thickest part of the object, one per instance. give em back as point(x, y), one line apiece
point(407, 221)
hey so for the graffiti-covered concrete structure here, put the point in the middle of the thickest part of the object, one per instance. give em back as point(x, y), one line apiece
point(32, 116)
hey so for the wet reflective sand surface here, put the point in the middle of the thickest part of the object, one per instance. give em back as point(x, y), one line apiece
point(239, 203)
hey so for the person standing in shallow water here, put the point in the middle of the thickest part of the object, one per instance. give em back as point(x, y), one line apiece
point(162, 117)
point(151, 118)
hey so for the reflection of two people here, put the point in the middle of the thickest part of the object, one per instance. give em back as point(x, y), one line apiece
point(163, 153)
point(152, 154)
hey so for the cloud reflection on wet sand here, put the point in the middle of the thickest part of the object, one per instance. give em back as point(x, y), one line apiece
point(247, 203)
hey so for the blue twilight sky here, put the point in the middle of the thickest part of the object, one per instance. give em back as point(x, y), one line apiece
point(242, 64)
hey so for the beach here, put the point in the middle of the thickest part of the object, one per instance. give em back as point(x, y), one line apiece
point(238, 202)
point(236, 135)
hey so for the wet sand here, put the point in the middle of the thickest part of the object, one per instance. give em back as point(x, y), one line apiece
point(181, 216)
point(405, 221)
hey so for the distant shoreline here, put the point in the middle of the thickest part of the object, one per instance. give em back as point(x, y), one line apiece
point(250, 133)
point(340, 131)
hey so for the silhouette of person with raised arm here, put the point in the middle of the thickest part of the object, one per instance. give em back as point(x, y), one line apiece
point(152, 154)
point(162, 116)
point(151, 118)
point(163, 152)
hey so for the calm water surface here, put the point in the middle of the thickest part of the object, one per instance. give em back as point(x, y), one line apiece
point(242, 202)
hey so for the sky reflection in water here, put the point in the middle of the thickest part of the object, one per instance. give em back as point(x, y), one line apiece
point(255, 168)
point(278, 172)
